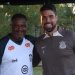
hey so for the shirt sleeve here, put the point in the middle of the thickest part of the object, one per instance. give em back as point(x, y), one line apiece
point(3, 43)
point(36, 57)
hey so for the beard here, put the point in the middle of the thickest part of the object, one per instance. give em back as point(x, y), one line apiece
point(48, 27)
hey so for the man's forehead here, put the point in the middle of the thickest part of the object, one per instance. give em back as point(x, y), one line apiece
point(18, 20)
point(47, 12)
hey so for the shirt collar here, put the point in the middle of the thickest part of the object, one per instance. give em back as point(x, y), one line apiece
point(54, 34)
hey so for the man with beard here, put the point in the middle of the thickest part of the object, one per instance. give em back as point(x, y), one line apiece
point(16, 49)
point(56, 47)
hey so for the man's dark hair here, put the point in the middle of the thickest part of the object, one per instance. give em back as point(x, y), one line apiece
point(48, 7)
point(18, 15)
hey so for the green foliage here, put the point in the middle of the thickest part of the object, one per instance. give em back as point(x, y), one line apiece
point(65, 16)
point(37, 71)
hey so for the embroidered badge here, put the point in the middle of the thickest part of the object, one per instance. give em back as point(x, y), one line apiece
point(10, 48)
point(27, 44)
point(62, 45)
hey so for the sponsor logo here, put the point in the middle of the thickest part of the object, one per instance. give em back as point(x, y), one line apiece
point(62, 45)
point(27, 44)
point(10, 48)
point(14, 60)
point(24, 69)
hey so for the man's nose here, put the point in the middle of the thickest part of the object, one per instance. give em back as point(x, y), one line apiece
point(48, 20)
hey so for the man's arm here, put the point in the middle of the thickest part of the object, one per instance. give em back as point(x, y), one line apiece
point(36, 57)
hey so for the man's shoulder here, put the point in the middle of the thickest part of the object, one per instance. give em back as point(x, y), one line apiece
point(66, 32)
point(4, 39)
point(3, 43)
point(40, 37)
point(30, 38)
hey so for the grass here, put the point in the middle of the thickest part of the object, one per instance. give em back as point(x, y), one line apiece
point(37, 71)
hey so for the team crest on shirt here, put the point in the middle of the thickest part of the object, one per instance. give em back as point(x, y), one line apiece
point(62, 45)
point(27, 44)
point(24, 69)
point(10, 48)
